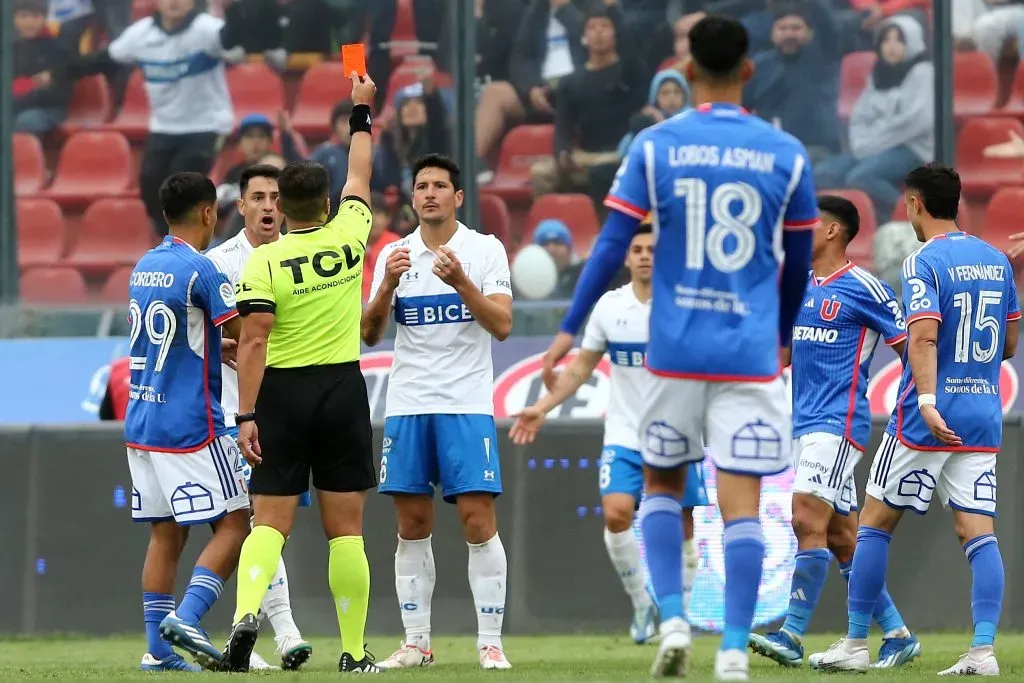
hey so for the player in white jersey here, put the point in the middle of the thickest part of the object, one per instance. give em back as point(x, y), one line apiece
point(943, 436)
point(450, 289)
point(619, 326)
point(263, 219)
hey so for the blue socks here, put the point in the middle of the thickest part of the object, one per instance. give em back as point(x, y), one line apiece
point(885, 615)
point(870, 563)
point(661, 523)
point(986, 588)
point(808, 579)
point(203, 590)
point(744, 557)
point(156, 606)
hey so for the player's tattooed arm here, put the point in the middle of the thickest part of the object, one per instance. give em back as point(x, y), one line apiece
point(572, 377)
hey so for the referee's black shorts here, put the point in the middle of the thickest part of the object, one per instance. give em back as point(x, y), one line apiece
point(314, 420)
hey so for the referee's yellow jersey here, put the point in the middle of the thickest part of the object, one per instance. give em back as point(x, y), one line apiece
point(312, 281)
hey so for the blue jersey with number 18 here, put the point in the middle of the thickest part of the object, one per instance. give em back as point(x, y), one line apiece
point(967, 286)
point(178, 299)
point(721, 184)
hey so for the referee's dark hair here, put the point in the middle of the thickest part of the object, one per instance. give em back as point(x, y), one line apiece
point(844, 211)
point(938, 186)
point(257, 171)
point(304, 188)
point(442, 162)
point(182, 193)
point(719, 46)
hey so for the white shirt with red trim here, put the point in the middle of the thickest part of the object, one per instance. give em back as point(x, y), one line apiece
point(837, 329)
point(967, 286)
point(178, 301)
point(720, 185)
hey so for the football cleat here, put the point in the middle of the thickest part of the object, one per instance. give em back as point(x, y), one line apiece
point(172, 662)
point(779, 647)
point(895, 652)
point(643, 628)
point(674, 651)
point(979, 661)
point(493, 657)
point(238, 651)
point(732, 665)
point(408, 657)
point(294, 652)
point(257, 663)
point(842, 656)
point(364, 666)
point(191, 638)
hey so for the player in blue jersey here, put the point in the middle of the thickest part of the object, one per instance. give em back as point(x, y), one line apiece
point(732, 197)
point(846, 311)
point(943, 436)
point(185, 468)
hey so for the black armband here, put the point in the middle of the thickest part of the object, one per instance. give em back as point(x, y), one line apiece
point(359, 121)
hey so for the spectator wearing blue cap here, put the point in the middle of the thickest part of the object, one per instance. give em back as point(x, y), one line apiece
point(556, 238)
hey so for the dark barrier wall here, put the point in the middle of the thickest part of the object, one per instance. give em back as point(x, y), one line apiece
point(74, 557)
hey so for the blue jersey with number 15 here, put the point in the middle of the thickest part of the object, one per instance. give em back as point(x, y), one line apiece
point(722, 185)
point(967, 286)
point(178, 301)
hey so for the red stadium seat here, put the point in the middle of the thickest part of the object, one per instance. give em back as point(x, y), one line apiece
point(860, 249)
point(29, 165)
point(40, 225)
point(256, 89)
point(133, 119)
point(115, 289)
point(963, 219)
point(91, 105)
point(494, 217)
point(522, 146)
point(979, 175)
point(1015, 105)
point(114, 232)
point(93, 165)
point(1003, 217)
point(975, 84)
point(323, 86)
point(575, 210)
point(52, 286)
point(853, 78)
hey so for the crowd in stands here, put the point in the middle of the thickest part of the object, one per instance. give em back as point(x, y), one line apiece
point(111, 96)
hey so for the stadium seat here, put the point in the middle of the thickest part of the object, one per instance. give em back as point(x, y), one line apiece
point(975, 84)
point(91, 105)
point(494, 217)
point(1003, 217)
point(40, 225)
point(132, 120)
point(52, 286)
point(115, 289)
point(256, 89)
point(522, 146)
point(408, 73)
point(29, 165)
point(323, 86)
point(575, 210)
point(1015, 104)
point(853, 78)
point(979, 175)
point(93, 165)
point(963, 219)
point(114, 232)
point(860, 248)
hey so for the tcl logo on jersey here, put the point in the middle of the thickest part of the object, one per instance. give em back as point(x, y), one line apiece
point(884, 388)
point(376, 367)
point(326, 263)
point(522, 384)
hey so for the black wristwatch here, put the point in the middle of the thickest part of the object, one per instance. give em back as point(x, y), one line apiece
point(244, 417)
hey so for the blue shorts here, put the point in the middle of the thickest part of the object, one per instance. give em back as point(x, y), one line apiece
point(459, 453)
point(622, 471)
point(304, 499)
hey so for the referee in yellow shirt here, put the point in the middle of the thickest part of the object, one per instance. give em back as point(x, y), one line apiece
point(307, 412)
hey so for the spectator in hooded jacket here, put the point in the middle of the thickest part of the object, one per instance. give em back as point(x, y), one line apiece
point(669, 95)
point(892, 124)
point(41, 88)
point(420, 127)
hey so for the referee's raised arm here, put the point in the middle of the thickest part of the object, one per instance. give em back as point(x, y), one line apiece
point(360, 153)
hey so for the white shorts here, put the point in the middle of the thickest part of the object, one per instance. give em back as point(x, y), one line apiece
point(190, 488)
point(746, 425)
point(824, 469)
point(907, 479)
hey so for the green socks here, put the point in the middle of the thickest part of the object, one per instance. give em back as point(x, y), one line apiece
point(261, 553)
point(349, 574)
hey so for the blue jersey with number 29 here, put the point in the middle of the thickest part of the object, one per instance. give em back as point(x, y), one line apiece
point(178, 301)
point(967, 285)
point(722, 185)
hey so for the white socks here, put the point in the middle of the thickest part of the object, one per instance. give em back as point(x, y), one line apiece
point(488, 574)
point(414, 583)
point(277, 605)
point(624, 551)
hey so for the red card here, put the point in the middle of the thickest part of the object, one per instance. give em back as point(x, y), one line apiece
point(353, 58)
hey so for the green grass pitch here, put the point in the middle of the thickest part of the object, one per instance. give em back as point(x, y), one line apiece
point(560, 659)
